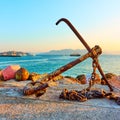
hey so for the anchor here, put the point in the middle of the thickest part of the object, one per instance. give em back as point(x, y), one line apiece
point(86, 46)
point(39, 87)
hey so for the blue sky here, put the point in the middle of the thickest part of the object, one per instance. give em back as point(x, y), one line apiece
point(29, 25)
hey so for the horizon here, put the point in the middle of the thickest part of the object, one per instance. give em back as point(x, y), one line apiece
point(29, 25)
point(84, 50)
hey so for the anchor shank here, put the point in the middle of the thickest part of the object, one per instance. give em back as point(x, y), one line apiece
point(64, 68)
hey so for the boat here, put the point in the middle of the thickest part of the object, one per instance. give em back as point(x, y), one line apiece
point(75, 54)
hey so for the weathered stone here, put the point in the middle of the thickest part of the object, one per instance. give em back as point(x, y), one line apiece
point(9, 72)
point(108, 76)
point(1, 76)
point(34, 76)
point(22, 74)
point(69, 80)
point(82, 79)
point(59, 77)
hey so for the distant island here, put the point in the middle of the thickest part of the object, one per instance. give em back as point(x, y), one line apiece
point(68, 52)
point(14, 54)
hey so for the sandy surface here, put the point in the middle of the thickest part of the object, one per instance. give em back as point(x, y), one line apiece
point(15, 106)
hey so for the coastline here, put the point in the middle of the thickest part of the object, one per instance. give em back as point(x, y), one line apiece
point(10, 56)
point(46, 64)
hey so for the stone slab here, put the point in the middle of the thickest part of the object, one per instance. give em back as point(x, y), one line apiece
point(14, 105)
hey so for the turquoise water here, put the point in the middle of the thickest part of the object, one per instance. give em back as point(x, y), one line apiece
point(48, 63)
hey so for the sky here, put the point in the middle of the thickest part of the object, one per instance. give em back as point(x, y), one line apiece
point(29, 25)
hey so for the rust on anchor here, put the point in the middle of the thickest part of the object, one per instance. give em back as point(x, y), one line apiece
point(84, 95)
point(86, 46)
point(31, 88)
point(39, 88)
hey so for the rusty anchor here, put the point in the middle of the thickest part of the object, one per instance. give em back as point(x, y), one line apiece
point(39, 87)
point(34, 87)
point(86, 46)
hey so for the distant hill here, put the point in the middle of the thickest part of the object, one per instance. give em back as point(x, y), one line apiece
point(65, 52)
point(14, 54)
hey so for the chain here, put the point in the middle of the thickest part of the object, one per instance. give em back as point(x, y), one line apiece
point(93, 75)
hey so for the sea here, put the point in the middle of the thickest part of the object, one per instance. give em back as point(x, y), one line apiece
point(48, 63)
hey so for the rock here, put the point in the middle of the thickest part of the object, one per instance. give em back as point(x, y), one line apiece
point(72, 79)
point(9, 72)
point(34, 76)
point(56, 78)
point(108, 76)
point(82, 79)
point(1, 76)
point(59, 77)
point(22, 74)
point(118, 77)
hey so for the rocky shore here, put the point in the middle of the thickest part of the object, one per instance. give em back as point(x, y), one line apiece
point(14, 104)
